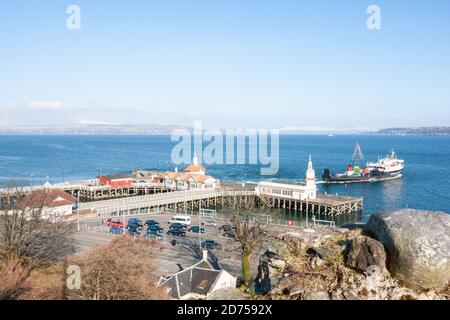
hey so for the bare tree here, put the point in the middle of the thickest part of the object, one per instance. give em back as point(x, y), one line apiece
point(249, 228)
point(30, 237)
point(13, 277)
point(28, 230)
point(120, 270)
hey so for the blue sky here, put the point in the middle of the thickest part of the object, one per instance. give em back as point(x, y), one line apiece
point(248, 63)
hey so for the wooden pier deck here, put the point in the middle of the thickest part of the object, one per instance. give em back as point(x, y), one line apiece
point(176, 200)
point(327, 204)
point(191, 199)
point(93, 193)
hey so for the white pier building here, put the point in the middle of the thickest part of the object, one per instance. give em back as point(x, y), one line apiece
point(307, 191)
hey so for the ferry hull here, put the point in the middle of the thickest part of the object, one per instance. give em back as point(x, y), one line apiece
point(372, 177)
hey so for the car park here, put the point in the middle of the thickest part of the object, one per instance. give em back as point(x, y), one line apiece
point(197, 229)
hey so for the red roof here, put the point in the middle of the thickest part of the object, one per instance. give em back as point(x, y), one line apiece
point(48, 198)
point(194, 168)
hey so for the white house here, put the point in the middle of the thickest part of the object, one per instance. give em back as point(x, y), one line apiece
point(51, 202)
point(198, 281)
point(193, 177)
point(291, 191)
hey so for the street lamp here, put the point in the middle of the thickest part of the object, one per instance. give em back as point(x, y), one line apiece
point(78, 212)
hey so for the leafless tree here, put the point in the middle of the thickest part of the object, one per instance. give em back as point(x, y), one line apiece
point(120, 270)
point(29, 236)
point(250, 231)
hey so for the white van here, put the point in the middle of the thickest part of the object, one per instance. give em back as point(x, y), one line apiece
point(184, 220)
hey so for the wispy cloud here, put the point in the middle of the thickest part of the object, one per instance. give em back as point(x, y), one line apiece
point(35, 105)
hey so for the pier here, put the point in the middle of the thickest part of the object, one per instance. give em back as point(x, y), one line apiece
point(180, 201)
point(87, 192)
point(330, 205)
point(174, 201)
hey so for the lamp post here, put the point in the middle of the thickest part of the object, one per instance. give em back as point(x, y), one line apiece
point(200, 223)
point(78, 212)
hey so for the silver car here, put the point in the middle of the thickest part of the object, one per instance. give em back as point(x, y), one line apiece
point(210, 223)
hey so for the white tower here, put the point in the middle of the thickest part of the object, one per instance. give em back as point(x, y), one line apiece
point(195, 160)
point(310, 178)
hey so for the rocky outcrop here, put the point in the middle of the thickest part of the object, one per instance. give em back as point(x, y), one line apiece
point(228, 294)
point(271, 266)
point(364, 254)
point(417, 244)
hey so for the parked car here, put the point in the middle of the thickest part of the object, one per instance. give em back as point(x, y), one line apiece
point(229, 234)
point(116, 230)
point(211, 244)
point(114, 223)
point(210, 223)
point(178, 225)
point(177, 232)
point(134, 232)
point(135, 224)
point(153, 235)
point(181, 219)
point(155, 228)
point(135, 221)
point(151, 223)
point(196, 229)
point(227, 227)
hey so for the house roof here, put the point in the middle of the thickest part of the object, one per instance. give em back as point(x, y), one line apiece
point(186, 176)
point(199, 279)
point(117, 176)
point(48, 198)
point(194, 168)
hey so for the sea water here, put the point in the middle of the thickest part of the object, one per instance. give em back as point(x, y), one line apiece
point(425, 183)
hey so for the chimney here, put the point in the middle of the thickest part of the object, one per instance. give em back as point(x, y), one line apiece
point(205, 255)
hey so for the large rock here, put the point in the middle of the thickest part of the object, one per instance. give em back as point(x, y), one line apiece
point(269, 273)
point(363, 253)
point(228, 294)
point(277, 249)
point(418, 245)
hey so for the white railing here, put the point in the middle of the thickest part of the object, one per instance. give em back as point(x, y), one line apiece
point(158, 199)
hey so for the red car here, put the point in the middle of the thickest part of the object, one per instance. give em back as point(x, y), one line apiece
point(111, 223)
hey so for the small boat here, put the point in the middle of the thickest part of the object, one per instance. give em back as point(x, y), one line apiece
point(387, 168)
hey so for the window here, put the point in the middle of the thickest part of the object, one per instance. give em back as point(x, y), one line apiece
point(202, 285)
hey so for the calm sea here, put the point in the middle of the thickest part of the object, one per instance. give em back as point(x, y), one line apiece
point(425, 184)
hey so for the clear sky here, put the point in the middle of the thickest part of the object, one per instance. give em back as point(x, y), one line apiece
point(229, 63)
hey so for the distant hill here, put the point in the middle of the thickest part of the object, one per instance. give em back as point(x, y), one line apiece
point(428, 131)
point(91, 129)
